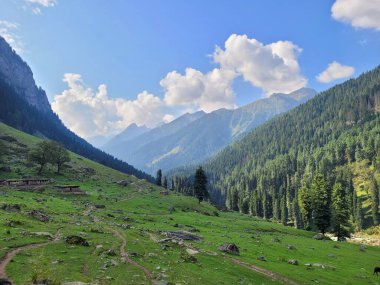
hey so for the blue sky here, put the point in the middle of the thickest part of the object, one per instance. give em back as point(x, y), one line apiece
point(130, 46)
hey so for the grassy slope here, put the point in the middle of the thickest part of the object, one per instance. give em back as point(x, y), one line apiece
point(142, 203)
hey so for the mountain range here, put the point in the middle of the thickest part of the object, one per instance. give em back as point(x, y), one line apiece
point(192, 138)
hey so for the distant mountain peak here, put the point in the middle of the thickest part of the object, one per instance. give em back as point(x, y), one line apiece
point(302, 94)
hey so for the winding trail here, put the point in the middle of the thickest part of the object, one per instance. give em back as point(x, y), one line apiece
point(265, 272)
point(124, 255)
point(9, 256)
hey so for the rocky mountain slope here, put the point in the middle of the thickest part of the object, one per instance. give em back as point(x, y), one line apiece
point(193, 138)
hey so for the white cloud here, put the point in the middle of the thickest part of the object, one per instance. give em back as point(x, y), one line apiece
point(273, 67)
point(7, 31)
point(91, 113)
point(335, 71)
point(36, 5)
point(358, 13)
point(44, 3)
point(198, 91)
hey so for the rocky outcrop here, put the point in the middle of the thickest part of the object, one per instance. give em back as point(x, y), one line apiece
point(17, 73)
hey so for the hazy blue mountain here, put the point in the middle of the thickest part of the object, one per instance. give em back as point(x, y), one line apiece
point(194, 137)
point(131, 132)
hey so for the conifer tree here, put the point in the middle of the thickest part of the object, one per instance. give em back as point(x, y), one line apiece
point(340, 209)
point(165, 183)
point(321, 207)
point(159, 177)
point(200, 185)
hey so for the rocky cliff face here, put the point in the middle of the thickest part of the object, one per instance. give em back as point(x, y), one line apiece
point(18, 74)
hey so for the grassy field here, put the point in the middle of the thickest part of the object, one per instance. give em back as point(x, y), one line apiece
point(139, 214)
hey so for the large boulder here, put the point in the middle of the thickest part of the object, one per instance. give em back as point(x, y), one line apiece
point(230, 248)
point(39, 215)
point(77, 240)
point(11, 207)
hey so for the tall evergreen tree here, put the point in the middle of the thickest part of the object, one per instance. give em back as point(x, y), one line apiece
point(306, 203)
point(321, 205)
point(374, 192)
point(200, 185)
point(340, 209)
point(359, 215)
point(159, 177)
point(165, 183)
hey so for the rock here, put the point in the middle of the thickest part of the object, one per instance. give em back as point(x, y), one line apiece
point(122, 183)
point(261, 258)
point(171, 209)
point(100, 206)
point(362, 247)
point(76, 240)
point(178, 226)
point(331, 255)
point(133, 254)
point(42, 234)
point(110, 216)
point(5, 282)
point(182, 235)
point(230, 248)
point(111, 252)
point(11, 207)
point(293, 262)
point(276, 239)
point(291, 247)
point(39, 215)
point(126, 218)
point(319, 237)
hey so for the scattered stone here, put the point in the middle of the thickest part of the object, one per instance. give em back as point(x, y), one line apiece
point(58, 261)
point(111, 252)
point(362, 247)
point(178, 226)
point(11, 207)
point(261, 258)
point(110, 216)
point(122, 183)
point(293, 262)
point(76, 240)
point(323, 266)
point(291, 247)
point(12, 223)
point(42, 234)
point(100, 206)
point(318, 237)
point(126, 218)
point(230, 248)
point(331, 255)
point(171, 209)
point(133, 254)
point(186, 257)
point(39, 215)
point(182, 235)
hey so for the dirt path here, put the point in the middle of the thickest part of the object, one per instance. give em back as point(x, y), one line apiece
point(265, 272)
point(124, 255)
point(8, 257)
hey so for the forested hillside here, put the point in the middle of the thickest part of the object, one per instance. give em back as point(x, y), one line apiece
point(279, 170)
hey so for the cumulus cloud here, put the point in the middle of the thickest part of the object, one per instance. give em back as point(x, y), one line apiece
point(335, 71)
point(273, 67)
point(198, 91)
point(92, 113)
point(8, 32)
point(358, 13)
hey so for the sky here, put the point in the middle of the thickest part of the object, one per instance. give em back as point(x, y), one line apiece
point(108, 63)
